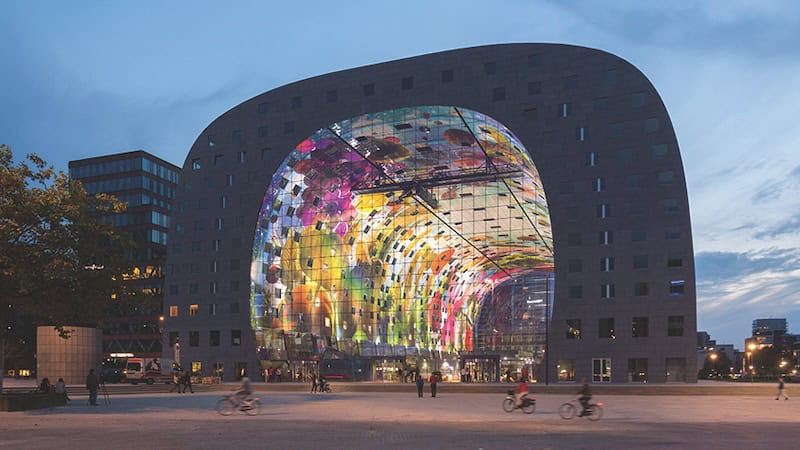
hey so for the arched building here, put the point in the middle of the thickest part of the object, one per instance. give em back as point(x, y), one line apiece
point(481, 212)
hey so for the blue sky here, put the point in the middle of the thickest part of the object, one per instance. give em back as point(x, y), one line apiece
point(81, 79)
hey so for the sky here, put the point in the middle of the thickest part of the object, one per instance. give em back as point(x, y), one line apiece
point(83, 79)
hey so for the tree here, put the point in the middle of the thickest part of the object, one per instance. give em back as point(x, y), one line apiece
point(52, 234)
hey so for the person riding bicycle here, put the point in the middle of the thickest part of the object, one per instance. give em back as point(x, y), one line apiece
point(585, 395)
point(522, 392)
point(244, 390)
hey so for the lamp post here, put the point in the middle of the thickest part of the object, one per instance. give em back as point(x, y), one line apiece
point(752, 347)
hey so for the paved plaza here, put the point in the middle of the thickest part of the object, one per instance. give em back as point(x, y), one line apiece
point(393, 420)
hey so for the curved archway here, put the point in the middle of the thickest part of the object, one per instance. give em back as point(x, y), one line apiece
point(390, 230)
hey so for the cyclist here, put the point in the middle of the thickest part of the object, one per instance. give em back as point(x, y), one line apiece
point(522, 392)
point(244, 390)
point(585, 395)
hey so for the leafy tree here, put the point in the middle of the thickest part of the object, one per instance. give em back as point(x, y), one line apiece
point(60, 263)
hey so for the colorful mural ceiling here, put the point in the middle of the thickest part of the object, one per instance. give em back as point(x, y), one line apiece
point(392, 228)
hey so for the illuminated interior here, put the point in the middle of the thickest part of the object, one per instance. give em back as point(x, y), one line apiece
point(392, 230)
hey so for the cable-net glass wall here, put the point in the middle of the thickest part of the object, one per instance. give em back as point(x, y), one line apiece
point(384, 234)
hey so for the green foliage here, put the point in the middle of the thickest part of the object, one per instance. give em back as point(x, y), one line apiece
point(59, 263)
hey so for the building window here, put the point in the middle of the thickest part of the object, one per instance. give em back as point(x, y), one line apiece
point(211, 140)
point(674, 261)
point(652, 125)
point(229, 180)
point(193, 310)
point(331, 96)
point(212, 309)
point(576, 292)
point(573, 239)
point(237, 136)
point(447, 76)
point(634, 209)
point(641, 289)
point(234, 307)
point(263, 108)
point(640, 327)
point(236, 338)
point(607, 264)
point(599, 184)
point(263, 131)
point(677, 287)
point(640, 262)
point(566, 370)
point(196, 164)
point(638, 236)
point(607, 290)
point(605, 237)
point(675, 326)
point(534, 88)
point(241, 156)
point(220, 223)
point(297, 102)
point(637, 370)
point(574, 265)
point(604, 210)
point(219, 369)
point(193, 288)
point(214, 267)
point(573, 328)
point(234, 286)
point(369, 90)
point(288, 127)
point(216, 245)
point(407, 83)
point(498, 94)
point(173, 338)
point(638, 99)
point(601, 104)
point(173, 289)
point(671, 234)
point(658, 151)
point(265, 153)
point(213, 338)
point(571, 82)
point(534, 60)
point(219, 159)
point(564, 109)
point(194, 339)
point(572, 213)
point(212, 287)
point(601, 370)
point(223, 202)
point(173, 311)
point(633, 182)
point(591, 159)
point(669, 205)
point(605, 328)
point(490, 68)
point(666, 177)
point(581, 134)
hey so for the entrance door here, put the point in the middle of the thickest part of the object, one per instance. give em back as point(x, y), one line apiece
point(601, 370)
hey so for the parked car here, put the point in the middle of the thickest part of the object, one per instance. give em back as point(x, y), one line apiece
point(112, 375)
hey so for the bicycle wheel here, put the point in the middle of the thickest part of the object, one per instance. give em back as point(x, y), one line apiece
point(225, 407)
point(567, 411)
point(596, 412)
point(508, 405)
point(254, 409)
point(529, 407)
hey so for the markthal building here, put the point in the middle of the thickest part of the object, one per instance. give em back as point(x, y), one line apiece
point(486, 213)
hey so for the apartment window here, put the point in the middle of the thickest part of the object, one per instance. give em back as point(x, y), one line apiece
point(219, 369)
point(265, 153)
point(625, 155)
point(196, 164)
point(638, 99)
point(574, 265)
point(573, 328)
point(211, 140)
point(219, 159)
point(236, 338)
point(641, 289)
point(214, 267)
point(658, 151)
point(581, 134)
point(634, 209)
point(223, 202)
point(605, 328)
point(610, 77)
point(220, 223)
point(675, 326)
point(241, 156)
point(677, 287)
point(193, 309)
point(369, 90)
point(237, 136)
point(637, 370)
point(605, 237)
point(490, 68)
point(638, 236)
point(607, 290)
point(173, 311)
point(573, 239)
point(564, 109)
point(229, 180)
point(633, 182)
point(534, 88)
point(566, 370)
point(212, 287)
point(447, 76)
point(674, 261)
point(195, 244)
point(672, 233)
point(173, 338)
point(601, 104)
point(599, 184)
point(669, 205)
point(603, 210)
point(331, 96)
point(194, 339)
point(576, 291)
point(297, 102)
point(216, 245)
point(601, 370)
point(591, 159)
point(607, 264)
point(213, 338)
point(263, 131)
point(498, 94)
point(640, 327)
point(212, 309)
point(652, 125)
point(407, 83)
point(666, 177)
point(640, 262)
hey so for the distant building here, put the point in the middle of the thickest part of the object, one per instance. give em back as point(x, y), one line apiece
point(768, 331)
point(147, 184)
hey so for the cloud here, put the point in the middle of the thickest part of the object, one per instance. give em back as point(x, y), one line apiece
point(789, 226)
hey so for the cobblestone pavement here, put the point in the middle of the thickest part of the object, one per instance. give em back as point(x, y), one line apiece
point(356, 420)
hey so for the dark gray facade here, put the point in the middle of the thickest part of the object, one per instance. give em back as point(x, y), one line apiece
point(596, 130)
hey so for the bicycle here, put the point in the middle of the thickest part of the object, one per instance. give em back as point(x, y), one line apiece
point(229, 403)
point(528, 405)
point(570, 409)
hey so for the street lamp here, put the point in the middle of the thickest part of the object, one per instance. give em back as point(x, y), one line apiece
point(751, 354)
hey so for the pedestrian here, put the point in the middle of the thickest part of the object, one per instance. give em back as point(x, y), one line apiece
point(187, 382)
point(433, 380)
point(177, 380)
point(781, 390)
point(61, 389)
point(92, 384)
point(313, 382)
point(420, 384)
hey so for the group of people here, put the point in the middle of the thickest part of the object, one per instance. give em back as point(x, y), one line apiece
point(432, 380)
point(58, 389)
point(318, 383)
point(182, 381)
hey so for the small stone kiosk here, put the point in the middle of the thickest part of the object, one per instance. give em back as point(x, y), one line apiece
point(70, 358)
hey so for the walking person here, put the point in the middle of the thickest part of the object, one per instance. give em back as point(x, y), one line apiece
point(420, 384)
point(433, 380)
point(781, 390)
point(187, 382)
point(313, 382)
point(92, 384)
point(177, 381)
